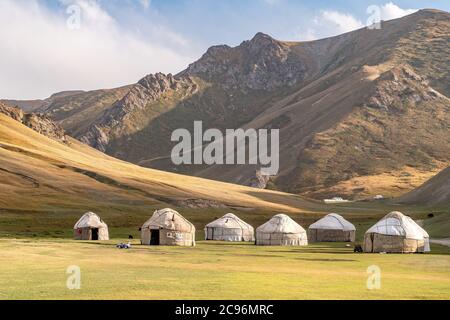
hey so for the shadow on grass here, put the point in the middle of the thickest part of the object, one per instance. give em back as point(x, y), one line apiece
point(300, 251)
point(327, 260)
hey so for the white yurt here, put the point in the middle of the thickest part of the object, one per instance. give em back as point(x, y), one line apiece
point(331, 228)
point(168, 228)
point(229, 228)
point(281, 230)
point(90, 227)
point(396, 233)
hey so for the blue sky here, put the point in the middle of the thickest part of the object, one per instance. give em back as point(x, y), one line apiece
point(116, 42)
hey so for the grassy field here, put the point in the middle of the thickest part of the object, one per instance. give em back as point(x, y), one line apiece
point(36, 269)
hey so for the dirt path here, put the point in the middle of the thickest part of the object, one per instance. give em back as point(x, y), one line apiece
point(443, 242)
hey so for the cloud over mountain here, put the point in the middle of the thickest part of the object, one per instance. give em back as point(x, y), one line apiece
point(79, 46)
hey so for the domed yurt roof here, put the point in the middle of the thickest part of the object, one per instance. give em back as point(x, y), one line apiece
point(170, 220)
point(333, 221)
point(230, 221)
point(281, 223)
point(397, 224)
point(90, 220)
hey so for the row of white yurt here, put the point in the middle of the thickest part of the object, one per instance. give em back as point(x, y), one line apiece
point(393, 233)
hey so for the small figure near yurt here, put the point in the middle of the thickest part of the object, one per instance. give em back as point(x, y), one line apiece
point(229, 228)
point(168, 228)
point(90, 227)
point(396, 233)
point(331, 228)
point(281, 230)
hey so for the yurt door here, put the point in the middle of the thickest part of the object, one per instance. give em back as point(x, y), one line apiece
point(94, 234)
point(154, 237)
point(210, 233)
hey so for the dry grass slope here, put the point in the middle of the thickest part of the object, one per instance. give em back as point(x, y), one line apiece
point(47, 173)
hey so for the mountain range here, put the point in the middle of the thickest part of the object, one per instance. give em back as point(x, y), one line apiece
point(360, 114)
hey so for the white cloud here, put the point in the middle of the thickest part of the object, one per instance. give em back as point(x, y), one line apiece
point(40, 54)
point(272, 2)
point(308, 35)
point(145, 3)
point(338, 21)
point(329, 23)
point(391, 11)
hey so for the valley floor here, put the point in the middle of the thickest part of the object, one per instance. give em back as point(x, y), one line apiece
point(36, 269)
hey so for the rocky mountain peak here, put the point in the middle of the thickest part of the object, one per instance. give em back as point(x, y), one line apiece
point(261, 63)
point(261, 41)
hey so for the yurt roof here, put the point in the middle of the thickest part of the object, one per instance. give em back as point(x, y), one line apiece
point(90, 220)
point(168, 219)
point(230, 221)
point(281, 223)
point(397, 224)
point(333, 221)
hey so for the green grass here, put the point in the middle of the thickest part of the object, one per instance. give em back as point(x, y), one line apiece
point(438, 226)
point(36, 269)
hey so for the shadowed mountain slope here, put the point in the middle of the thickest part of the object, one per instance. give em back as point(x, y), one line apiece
point(42, 174)
point(436, 191)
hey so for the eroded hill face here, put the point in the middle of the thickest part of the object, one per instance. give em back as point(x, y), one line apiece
point(360, 114)
point(396, 137)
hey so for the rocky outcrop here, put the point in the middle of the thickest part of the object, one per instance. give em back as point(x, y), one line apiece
point(38, 122)
point(400, 87)
point(260, 181)
point(121, 118)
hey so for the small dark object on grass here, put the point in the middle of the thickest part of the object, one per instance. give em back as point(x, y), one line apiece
point(431, 215)
point(124, 245)
point(358, 248)
point(130, 237)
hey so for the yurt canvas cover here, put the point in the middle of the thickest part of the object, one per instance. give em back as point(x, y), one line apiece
point(168, 228)
point(90, 227)
point(396, 233)
point(229, 228)
point(331, 228)
point(281, 230)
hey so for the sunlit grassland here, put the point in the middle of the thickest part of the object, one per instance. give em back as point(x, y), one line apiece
point(37, 270)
